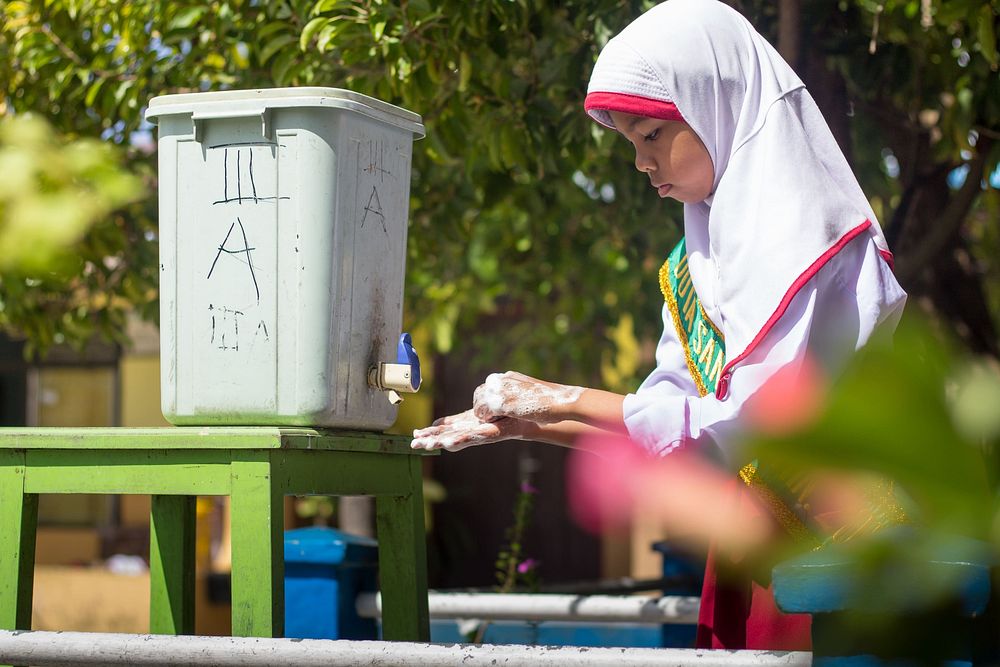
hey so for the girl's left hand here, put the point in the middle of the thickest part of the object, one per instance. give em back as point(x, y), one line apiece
point(457, 432)
point(519, 396)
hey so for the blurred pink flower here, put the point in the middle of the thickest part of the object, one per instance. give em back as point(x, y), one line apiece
point(526, 487)
point(610, 479)
point(789, 400)
point(599, 473)
point(527, 565)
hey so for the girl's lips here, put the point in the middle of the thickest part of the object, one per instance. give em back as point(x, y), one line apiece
point(663, 190)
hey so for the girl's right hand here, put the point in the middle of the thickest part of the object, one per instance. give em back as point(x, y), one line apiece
point(519, 396)
point(456, 432)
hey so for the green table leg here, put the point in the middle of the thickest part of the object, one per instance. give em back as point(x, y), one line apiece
point(18, 520)
point(257, 527)
point(402, 560)
point(171, 565)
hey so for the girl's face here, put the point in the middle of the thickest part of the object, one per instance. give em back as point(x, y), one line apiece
point(671, 154)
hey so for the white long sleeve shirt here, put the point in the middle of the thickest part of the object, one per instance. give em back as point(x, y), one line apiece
point(853, 296)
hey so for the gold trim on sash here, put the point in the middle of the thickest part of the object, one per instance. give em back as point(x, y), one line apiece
point(710, 322)
point(792, 524)
point(675, 315)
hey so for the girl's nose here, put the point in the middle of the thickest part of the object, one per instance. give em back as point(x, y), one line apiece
point(644, 163)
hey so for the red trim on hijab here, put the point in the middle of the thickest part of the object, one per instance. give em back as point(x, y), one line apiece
point(633, 104)
point(722, 388)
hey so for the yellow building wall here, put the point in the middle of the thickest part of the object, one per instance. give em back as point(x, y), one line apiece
point(140, 391)
point(61, 391)
point(140, 407)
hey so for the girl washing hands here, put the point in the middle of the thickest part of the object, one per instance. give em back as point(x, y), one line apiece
point(782, 268)
point(514, 406)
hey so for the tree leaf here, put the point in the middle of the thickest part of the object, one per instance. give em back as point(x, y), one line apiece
point(329, 33)
point(325, 6)
point(310, 31)
point(272, 47)
point(93, 90)
point(187, 18)
point(987, 34)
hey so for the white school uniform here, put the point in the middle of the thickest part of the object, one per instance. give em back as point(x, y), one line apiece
point(835, 313)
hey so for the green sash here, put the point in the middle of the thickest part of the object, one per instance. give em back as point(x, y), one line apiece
point(704, 345)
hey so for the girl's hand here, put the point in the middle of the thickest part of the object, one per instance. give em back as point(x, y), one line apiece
point(518, 396)
point(463, 430)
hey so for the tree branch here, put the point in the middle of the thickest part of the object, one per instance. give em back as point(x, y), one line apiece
point(950, 222)
point(73, 56)
point(789, 29)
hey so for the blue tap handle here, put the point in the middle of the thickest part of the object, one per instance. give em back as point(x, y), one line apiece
point(405, 354)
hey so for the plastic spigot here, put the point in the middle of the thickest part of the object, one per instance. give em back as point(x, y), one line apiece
point(402, 376)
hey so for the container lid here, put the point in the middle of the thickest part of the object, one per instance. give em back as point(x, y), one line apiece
point(328, 546)
point(220, 104)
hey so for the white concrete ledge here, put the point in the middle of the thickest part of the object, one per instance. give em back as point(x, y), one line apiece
point(550, 607)
point(76, 649)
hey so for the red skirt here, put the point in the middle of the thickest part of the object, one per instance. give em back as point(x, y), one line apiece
point(740, 613)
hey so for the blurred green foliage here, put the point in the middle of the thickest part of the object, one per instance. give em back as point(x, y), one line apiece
point(52, 191)
point(523, 211)
point(921, 413)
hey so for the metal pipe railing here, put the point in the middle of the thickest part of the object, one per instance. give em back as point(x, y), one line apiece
point(609, 586)
point(87, 649)
point(548, 607)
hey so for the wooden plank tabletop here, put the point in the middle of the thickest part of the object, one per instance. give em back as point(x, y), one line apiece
point(204, 437)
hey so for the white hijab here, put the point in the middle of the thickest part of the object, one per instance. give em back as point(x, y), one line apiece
point(784, 199)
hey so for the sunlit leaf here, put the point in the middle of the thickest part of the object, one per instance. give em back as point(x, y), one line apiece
point(274, 46)
point(310, 31)
point(187, 17)
point(987, 34)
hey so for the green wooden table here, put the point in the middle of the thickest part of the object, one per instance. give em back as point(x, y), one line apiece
point(256, 467)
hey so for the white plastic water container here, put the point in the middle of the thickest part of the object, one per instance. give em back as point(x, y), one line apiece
point(283, 219)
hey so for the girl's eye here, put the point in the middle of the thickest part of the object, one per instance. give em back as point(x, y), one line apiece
point(652, 135)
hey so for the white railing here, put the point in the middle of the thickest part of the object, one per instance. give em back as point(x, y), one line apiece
point(76, 649)
point(549, 607)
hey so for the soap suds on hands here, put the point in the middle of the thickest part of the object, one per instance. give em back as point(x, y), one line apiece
point(458, 434)
point(515, 395)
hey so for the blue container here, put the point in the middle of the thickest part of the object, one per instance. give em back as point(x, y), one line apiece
point(325, 570)
point(685, 570)
point(689, 571)
point(859, 622)
point(553, 633)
